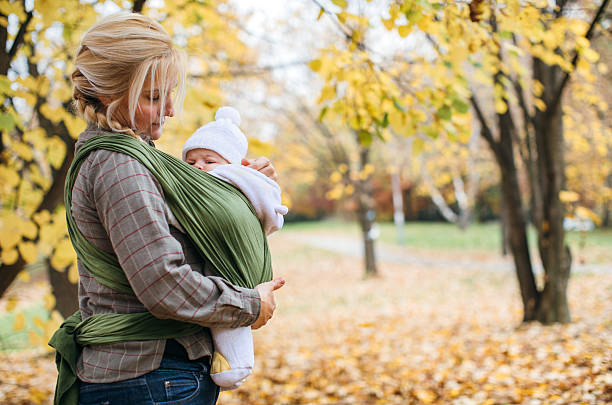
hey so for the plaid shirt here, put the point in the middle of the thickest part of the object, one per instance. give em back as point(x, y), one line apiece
point(119, 207)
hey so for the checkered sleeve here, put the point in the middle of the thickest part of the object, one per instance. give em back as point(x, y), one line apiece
point(131, 207)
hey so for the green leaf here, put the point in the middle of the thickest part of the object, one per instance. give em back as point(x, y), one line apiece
point(365, 138)
point(460, 106)
point(7, 122)
point(379, 134)
point(385, 122)
point(430, 132)
point(5, 86)
point(322, 114)
point(398, 105)
point(444, 113)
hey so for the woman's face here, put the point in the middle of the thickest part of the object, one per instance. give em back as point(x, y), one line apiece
point(148, 111)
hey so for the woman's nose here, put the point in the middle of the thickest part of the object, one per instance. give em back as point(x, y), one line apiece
point(169, 108)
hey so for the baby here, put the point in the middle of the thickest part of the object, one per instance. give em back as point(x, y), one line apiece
point(218, 148)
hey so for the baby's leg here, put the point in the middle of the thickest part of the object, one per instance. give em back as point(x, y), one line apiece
point(234, 356)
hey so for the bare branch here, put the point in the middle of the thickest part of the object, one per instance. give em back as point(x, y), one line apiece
point(7, 57)
point(252, 71)
point(554, 102)
point(485, 129)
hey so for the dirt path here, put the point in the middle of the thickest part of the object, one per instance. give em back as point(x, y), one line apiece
point(402, 255)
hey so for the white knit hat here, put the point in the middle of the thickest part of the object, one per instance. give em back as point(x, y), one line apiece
point(222, 136)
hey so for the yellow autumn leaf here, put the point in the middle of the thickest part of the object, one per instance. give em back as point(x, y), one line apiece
point(500, 106)
point(73, 272)
point(426, 396)
point(28, 251)
point(540, 105)
point(587, 213)
point(404, 30)
point(24, 276)
point(63, 255)
point(590, 55)
point(11, 304)
point(389, 24)
point(327, 93)
point(38, 322)
point(567, 196)
point(315, 65)
point(20, 322)
point(56, 152)
point(49, 300)
point(9, 256)
point(42, 217)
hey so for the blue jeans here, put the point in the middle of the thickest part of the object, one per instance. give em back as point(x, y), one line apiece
point(175, 382)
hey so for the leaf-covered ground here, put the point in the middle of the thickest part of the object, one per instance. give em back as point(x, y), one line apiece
point(414, 335)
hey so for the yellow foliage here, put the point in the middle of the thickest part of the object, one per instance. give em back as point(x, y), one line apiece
point(19, 323)
point(28, 251)
point(590, 55)
point(22, 150)
point(9, 256)
point(540, 105)
point(63, 255)
point(315, 65)
point(500, 106)
point(587, 213)
point(11, 304)
point(404, 30)
point(568, 196)
point(73, 271)
point(56, 152)
point(11, 226)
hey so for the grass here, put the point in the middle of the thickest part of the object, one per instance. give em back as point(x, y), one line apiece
point(11, 340)
point(592, 247)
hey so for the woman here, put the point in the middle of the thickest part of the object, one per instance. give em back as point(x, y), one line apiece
point(125, 73)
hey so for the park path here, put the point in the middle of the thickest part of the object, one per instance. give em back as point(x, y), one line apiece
point(352, 246)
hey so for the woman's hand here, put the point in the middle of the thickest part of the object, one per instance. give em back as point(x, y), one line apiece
point(263, 165)
point(266, 294)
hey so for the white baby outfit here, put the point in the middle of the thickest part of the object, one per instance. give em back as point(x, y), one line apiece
point(234, 357)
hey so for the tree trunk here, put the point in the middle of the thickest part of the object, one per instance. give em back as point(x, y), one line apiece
point(606, 206)
point(555, 255)
point(65, 292)
point(503, 220)
point(8, 273)
point(503, 150)
point(398, 207)
point(366, 213)
point(517, 233)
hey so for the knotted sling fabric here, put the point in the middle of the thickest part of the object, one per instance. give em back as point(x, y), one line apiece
point(218, 218)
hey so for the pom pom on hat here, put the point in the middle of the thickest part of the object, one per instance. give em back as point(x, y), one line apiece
point(222, 136)
point(228, 113)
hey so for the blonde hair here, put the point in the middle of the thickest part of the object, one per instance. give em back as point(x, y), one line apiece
point(115, 58)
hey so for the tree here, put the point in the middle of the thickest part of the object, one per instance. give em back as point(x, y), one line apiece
point(39, 129)
point(521, 55)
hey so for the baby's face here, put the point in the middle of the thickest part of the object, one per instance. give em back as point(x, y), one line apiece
point(204, 159)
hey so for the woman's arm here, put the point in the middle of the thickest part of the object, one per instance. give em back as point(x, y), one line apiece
point(131, 206)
